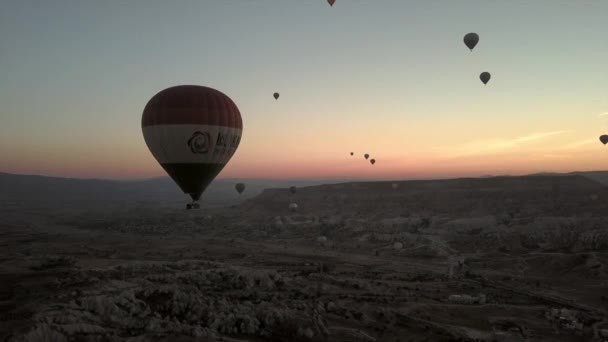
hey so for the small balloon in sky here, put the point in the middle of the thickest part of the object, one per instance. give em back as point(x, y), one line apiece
point(373, 161)
point(366, 156)
point(352, 153)
point(276, 96)
point(240, 187)
point(485, 77)
point(604, 139)
point(470, 40)
point(331, 2)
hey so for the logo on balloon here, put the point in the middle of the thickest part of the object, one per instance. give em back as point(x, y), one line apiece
point(199, 142)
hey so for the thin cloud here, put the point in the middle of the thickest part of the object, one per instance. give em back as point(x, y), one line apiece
point(602, 114)
point(482, 147)
point(537, 136)
point(556, 156)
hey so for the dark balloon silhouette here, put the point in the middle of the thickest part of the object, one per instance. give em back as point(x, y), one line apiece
point(485, 77)
point(352, 153)
point(604, 139)
point(276, 96)
point(366, 156)
point(331, 2)
point(240, 187)
point(292, 190)
point(470, 40)
point(192, 131)
point(373, 161)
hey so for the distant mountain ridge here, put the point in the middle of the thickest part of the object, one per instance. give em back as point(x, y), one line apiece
point(37, 188)
point(598, 176)
point(221, 192)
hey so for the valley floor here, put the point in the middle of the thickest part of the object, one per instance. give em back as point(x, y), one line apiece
point(75, 281)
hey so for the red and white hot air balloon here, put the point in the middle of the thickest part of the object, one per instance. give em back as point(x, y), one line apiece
point(192, 131)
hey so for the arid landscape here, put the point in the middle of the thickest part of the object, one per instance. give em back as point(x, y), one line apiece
point(478, 259)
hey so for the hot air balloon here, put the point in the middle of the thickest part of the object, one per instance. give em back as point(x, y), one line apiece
point(240, 187)
point(373, 161)
point(192, 131)
point(485, 77)
point(293, 207)
point(366, 156)
point(331, 2)
point(604, 139)
point(395, 186)
point(276, 96)
point(292, 190)
point(352, 153)
point(470, 40)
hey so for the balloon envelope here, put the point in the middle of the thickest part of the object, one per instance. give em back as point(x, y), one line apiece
point(470, 40)
point(352, 154)
point(192, 131)
point(604, 139)
point(366, 156)
point(373, 161)
point(240, 187)
point(292, 189)
point(331, 2)
point(485, 77)
point(276, 96)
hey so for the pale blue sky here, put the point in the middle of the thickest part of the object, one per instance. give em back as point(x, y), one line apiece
point(382, 75)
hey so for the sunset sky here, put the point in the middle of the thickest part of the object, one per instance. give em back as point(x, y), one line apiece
point(391, 78)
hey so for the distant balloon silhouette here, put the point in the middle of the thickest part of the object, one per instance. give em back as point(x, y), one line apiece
point(485, 77)
point(352, 153)
point(373, 161)
point(604, 139)
point(240, 187)
point(292, 190)
point(276, 96)
point(470, 40)
point(192, 131)
point(293, 207)
point(366, 156)
point(331, 2)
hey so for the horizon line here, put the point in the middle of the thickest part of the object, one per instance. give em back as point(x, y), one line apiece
point(313, 179)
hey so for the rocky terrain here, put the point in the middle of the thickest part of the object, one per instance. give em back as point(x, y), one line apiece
point(489, 259)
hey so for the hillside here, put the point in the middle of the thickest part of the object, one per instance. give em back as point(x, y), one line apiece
point(526, 195)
